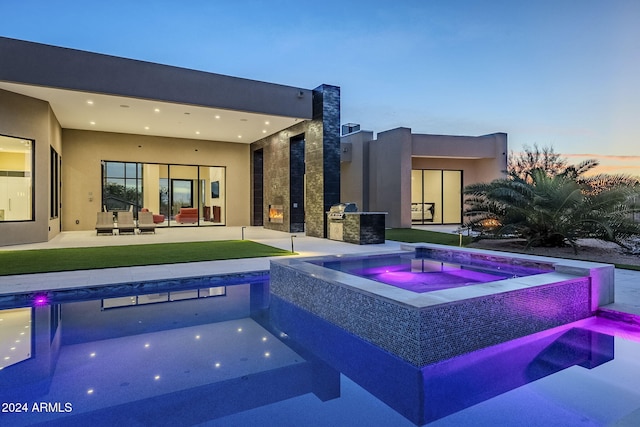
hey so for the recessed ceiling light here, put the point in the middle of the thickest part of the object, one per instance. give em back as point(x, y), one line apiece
point(217, 117)
point(266, 123)
point(187, 113)
point(197, 132)
point(124, 106)
point(92, 123)
point(239, 136)
point(244, 120)
point(264, 131)
point(157, 110)
point(90, 102)
point(146, 127)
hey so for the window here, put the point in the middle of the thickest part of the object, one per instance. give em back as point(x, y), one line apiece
point(165, 190)
point(54, 182)
point(16, 179)
point(436, 196)
point(122, 186)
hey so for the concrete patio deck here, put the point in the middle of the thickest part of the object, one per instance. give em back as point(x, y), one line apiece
point(627, 282)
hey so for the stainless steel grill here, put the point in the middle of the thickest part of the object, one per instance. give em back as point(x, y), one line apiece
point(337, 212)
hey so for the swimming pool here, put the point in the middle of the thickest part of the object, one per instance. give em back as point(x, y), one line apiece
point(228, 355)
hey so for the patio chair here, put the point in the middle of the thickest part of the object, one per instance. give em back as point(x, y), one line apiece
point(104, 223)
point(146, 223)
point(125, 222)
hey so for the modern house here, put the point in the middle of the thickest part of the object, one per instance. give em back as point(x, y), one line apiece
point(416, 178)
point(82, 133)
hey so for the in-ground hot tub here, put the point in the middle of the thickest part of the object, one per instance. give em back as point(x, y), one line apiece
point(430, 326)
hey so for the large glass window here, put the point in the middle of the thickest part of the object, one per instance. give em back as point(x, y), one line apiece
point(436, 196)
point(16, 179)
point(174, 194)
point(451, 197)
point(54, 182)
point(122, 186)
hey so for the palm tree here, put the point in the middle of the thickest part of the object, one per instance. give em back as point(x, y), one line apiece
point(551, 209)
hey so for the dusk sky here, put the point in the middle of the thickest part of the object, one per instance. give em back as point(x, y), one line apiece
point(560, 73)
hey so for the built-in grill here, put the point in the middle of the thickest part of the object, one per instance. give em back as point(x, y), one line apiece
point(337, 212)
point(346, 224)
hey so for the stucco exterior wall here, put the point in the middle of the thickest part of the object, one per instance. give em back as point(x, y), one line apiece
point(55, 132)
point(376, 174)
point(40, 64)
point(481, 158)
point(354, 170)
point(30, 118)
point(390, 176)
point(84, 151)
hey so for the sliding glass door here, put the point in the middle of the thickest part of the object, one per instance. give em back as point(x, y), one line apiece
point(176, 195)
point(436, 196)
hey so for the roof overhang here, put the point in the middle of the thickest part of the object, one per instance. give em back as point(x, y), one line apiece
point(90, 91)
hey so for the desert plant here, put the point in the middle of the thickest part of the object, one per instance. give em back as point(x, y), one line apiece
point(552, 209)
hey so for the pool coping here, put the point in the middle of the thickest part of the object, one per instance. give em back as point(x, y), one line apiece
point(603, 288)
point(71, 293)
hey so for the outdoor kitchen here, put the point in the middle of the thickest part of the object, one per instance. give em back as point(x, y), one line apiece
point(346, 224)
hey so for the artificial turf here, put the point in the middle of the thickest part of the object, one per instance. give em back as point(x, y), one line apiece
point(68, 259)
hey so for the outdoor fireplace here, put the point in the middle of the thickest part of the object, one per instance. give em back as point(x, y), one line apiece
point(276, 214)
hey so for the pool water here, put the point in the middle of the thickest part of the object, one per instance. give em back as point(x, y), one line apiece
point(420, 274)
point(228, 356)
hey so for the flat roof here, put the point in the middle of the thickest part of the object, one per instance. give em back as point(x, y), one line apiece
point(91, 91)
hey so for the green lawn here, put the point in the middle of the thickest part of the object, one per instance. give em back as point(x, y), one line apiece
point(412, 235)
point(47, 260)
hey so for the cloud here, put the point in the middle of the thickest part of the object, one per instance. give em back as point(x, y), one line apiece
point(604, 156)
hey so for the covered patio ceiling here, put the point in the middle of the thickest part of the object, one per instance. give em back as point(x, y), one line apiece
point(82, 110)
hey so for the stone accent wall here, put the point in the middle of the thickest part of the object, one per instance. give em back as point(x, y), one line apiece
point(322, 165)
point(327, 103)
point(296, 183)
point(364, 229)
point(257, 168)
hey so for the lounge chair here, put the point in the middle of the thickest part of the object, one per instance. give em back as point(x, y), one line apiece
point(104, 223)
point(145, 222)
point(125, 222)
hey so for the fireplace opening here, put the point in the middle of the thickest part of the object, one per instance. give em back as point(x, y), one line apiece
point(276, 214)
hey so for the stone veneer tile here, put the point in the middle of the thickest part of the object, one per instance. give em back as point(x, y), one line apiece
point(438, 332)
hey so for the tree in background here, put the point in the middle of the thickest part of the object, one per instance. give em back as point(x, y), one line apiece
point(521, 164)
point(549, 202)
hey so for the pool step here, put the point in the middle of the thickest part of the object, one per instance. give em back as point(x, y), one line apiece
point(577, 346)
